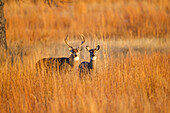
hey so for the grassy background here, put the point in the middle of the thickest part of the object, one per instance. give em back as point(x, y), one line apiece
point(133, 63)
point(118, 18)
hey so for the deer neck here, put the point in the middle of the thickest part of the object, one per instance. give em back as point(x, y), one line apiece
point(93, 63)
point(73, 61)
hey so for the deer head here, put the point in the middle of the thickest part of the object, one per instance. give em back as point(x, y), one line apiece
point(75, 51)
point(93, 52)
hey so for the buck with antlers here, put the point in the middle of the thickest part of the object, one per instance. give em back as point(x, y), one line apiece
point(49, 64)
point(88, 67)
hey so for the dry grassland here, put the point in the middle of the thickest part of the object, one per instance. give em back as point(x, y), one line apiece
point(125, 19)
point(133, 63)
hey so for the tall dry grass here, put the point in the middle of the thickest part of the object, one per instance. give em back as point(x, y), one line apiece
point(118, 18)
point(138, 84)
point(133, 63)
point(133, 76)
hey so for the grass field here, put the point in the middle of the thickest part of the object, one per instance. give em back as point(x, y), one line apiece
point(132, 65)
point(121, 18)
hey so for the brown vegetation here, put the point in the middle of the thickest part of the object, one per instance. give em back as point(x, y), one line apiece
point(137, 84)
point(133, 62)
point(119, 19)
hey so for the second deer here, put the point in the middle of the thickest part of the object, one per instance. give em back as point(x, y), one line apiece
point(89, 67)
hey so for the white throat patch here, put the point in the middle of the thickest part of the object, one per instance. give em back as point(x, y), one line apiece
point(93, 58)
point(76, 58)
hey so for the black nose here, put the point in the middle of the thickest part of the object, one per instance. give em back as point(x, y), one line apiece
point(93, 55)
point(75, 55)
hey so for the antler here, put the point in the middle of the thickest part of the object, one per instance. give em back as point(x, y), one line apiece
point(67, 42)
point(83, 39)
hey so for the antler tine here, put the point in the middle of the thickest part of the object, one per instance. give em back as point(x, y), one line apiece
point(83, 39)
point(67, 42)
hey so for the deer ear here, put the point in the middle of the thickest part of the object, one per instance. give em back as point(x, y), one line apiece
point(97, 47)
point(87, 48)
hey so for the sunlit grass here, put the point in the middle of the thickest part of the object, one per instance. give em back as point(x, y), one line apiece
point(132, 65)
point(121, 19)
point(133, 84)
point(136, 82)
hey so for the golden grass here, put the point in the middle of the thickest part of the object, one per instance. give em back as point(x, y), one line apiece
point(133, 63)
point(137, 84)
point(117, 18)
point(132, 77)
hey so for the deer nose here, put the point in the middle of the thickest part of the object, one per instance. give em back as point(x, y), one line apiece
point(75, 55)
point(93, 55)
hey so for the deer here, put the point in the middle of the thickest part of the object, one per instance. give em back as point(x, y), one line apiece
point(89, 67)
point(50, 64)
